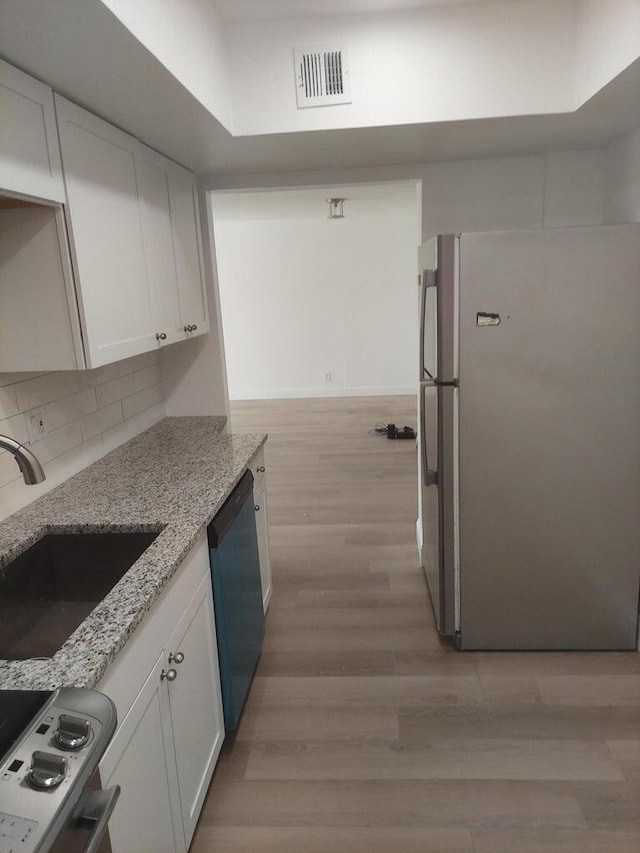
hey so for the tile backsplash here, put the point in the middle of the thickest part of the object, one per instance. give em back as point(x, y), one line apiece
point(87, 414)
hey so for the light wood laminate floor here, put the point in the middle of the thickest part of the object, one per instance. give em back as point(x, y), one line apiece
point(363, 732)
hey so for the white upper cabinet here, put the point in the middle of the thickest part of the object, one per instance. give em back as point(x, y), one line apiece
point(168, 201)
point(155, 205)
point(39, 327)
point(29, 152)
point(188, 251)
point(107, 245)
point(100, 234)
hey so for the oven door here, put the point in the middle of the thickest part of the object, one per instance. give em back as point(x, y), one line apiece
point(87, 829)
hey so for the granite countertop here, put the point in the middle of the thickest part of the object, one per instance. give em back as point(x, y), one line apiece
point(172, 478)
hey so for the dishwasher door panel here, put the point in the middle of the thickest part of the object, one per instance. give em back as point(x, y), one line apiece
point(237, 599)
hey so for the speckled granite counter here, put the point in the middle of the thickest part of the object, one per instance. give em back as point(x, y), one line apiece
point(174, 477)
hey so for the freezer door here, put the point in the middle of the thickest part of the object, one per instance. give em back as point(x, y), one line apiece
point(549, 426)
point(438, 357)
point(428, 344)
point(437, 428)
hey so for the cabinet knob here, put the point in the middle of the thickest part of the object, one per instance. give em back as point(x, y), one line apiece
point(177, 658)
point(190, 328)
point(170, 675)
point(257, 507)
point(261, 469)
point(161, 336)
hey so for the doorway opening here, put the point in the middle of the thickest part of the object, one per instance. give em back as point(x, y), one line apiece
point(313, 306)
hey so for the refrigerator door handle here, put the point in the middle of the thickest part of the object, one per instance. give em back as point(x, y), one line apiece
point(429, 475)
point(428, 280)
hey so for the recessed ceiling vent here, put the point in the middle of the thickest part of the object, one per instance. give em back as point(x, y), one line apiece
point(322, 76)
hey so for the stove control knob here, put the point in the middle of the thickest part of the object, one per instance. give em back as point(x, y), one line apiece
point(72, 732)
point(47, 770)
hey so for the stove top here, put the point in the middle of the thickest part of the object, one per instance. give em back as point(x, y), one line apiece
point(17, 709)
point(50, 747)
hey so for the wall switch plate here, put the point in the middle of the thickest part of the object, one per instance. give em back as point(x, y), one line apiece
point(37, 425)
point(328, 377)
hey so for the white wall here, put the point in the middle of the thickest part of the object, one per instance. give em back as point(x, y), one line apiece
point(548, 190)
point(560, 188)
point(443, 63)
point(303, 295)
point(622, 179)
point(188, 38)
point(607, 40)
point(89, 413)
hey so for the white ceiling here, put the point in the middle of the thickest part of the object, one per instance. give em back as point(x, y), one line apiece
point(73, 44)
point(242, 11)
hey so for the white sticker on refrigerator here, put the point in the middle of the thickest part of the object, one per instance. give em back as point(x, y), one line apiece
point(485, 319)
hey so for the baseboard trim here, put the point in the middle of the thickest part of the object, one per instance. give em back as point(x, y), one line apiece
point(305, 393)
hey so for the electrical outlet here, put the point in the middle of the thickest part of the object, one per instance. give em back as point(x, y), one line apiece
point(328, 377)
point(37, 425)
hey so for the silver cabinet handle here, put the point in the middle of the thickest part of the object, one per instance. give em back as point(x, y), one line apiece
point(261, 469)
point(97, 811)
point(177, 658)
point(170, 675)
point(161, 336)
point(191, 327)
point(257, 507)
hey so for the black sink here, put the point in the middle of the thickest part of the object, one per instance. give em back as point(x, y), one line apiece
point(47, 591)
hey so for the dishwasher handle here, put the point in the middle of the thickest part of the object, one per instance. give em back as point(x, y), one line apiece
point(230, 509)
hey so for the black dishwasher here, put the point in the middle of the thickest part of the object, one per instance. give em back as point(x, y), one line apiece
point(237, 596)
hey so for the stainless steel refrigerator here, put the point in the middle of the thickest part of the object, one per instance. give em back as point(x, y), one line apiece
point(529, 437)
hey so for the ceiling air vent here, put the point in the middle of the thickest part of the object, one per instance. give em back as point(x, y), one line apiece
point(322, 77)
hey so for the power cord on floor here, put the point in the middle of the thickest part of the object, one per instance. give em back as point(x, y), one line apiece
point(392, 431)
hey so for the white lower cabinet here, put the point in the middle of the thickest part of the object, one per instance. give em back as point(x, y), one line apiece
point(258, 469)
point(170, 733)
point(196, 720)
point(262, 527)
point(139, 760)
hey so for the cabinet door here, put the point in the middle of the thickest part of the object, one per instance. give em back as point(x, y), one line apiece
point(29, 152)
point(262, 527)
point(153, 184)
point(188, 251)
point(196, 703)
point(141, 760)
point(39, 327)
point(106, 236)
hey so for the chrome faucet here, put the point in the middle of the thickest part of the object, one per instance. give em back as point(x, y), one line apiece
point(27, 462)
